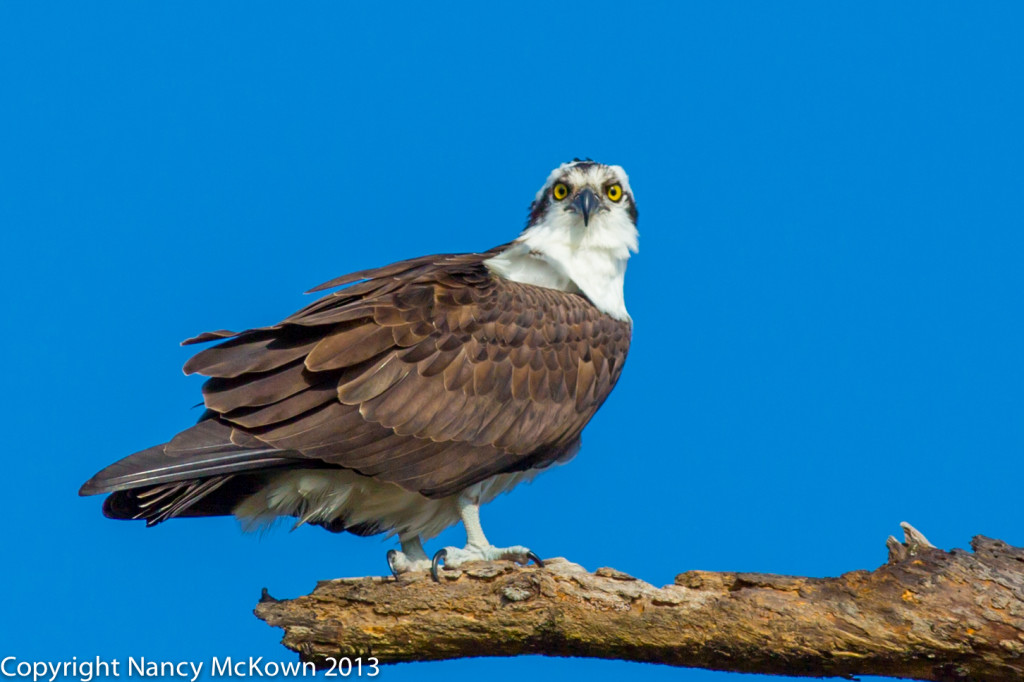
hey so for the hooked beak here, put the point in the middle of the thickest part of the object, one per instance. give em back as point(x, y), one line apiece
point(586, 202)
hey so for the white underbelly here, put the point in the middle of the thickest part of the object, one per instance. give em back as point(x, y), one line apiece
point(325, 495)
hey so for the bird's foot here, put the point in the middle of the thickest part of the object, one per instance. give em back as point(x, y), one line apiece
point(453, 557)
point(400, 562)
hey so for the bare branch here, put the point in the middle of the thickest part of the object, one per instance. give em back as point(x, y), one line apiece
point(927, 614)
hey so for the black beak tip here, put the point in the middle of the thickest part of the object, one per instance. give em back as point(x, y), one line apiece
point(586, 202)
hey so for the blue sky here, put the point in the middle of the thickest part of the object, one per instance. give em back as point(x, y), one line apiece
point(827, 299)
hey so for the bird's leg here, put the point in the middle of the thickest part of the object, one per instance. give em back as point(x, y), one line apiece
point(477, 547)
point(411, 558)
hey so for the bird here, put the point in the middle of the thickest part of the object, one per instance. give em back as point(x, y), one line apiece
point(410, 394)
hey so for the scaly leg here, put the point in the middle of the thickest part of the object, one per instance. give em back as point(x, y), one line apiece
point(411, 558)
point(477, 547)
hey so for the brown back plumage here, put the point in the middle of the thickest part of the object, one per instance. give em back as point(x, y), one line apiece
point(430, 373)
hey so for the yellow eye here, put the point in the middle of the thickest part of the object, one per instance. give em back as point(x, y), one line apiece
point(614, 192)
point(560, 191)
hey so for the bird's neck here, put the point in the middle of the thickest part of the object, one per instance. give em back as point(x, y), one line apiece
point(567, 257)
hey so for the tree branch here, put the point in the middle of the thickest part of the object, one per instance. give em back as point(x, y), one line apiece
point(927, 614)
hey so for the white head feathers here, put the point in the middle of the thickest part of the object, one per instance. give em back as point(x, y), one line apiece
point(581, 231)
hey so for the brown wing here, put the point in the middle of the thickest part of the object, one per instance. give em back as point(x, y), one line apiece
point(430, 373)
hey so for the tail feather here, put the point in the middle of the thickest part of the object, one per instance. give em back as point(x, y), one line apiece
point(202, 451)
point(206, 470)
point(213, 496)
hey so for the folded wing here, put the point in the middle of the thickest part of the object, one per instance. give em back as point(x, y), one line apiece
point(430, 373)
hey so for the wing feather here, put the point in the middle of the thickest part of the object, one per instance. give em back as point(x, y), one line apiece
point(395, 406)
point(380, 377)
point(458, 372)
point(249, 390)
point(253, 352)
point(444, 425)
point(430, 373)
point(350, 346)
point(417, 416)
point(289, 408)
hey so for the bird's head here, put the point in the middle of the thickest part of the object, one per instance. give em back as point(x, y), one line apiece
point(586, 205)
point(581, 231)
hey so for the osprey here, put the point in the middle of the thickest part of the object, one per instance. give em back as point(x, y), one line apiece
point(413, 394)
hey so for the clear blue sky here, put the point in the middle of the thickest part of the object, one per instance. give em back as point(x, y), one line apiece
point(827, 300)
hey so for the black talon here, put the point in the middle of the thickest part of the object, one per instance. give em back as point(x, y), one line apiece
point(536, 559)
point(391, 558)
point(435, 562)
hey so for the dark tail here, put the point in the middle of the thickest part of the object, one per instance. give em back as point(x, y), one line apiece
point(203, 471)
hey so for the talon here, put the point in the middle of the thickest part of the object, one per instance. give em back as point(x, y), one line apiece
point(435, 562)
point(391, 562)
point(536, 559)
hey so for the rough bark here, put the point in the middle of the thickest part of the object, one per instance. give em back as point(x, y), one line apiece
point(927, 614)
